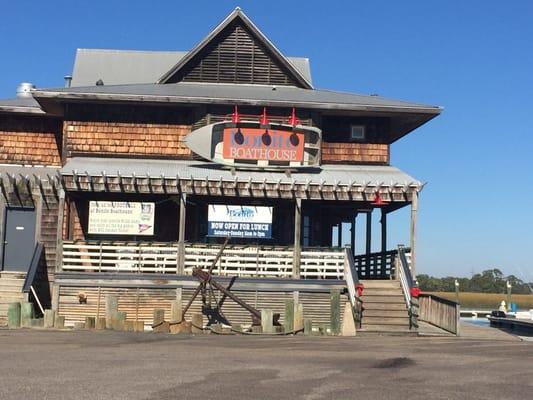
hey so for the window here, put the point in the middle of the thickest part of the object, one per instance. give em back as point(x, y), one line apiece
point(357, 132)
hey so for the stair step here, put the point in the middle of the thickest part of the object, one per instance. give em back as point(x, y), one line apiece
point(381, 284)
point(382, 292)
point(400, 306)
point(383, 299)
point(370, 320)
point(384, 331)
point(385, 313)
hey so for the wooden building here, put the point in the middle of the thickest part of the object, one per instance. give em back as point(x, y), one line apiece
point(136, 133)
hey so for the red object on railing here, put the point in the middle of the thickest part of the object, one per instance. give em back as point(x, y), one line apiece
point(264, 117)
point(415, 292)
point(378, 201)
point(293, 119)
point(235, 117)
point(359, 288)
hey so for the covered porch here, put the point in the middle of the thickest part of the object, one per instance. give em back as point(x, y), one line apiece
point(315, 214)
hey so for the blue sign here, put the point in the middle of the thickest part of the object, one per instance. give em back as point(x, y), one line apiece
point(253, 222)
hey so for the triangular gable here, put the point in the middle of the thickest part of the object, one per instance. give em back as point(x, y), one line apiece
point(236, 51)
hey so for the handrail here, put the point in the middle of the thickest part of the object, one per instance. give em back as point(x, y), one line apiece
point(352, 281)
point(404, 273)
point(34, 266)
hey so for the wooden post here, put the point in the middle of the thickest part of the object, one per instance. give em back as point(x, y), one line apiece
point(176, 311)
point(352, 233)
point(368, 232)
point(414, 210)
point(297, 245)
point(59, 322)
point(308, 326)
point(13, 315)
point(267, 320)
point(339, 234)
point(59, 232)
point(383, 262)
point(383, 230)
point(289, 315)
point(197, 321)
point(26, 314)
point(90, 322)
point(49, 318)
point(181, 235)
point(299, 317)
point(335, 311)
point(111, 308)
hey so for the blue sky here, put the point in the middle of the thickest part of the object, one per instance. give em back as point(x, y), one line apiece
point(474, 58)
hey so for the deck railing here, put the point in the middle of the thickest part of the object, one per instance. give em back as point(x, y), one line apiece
point(440, 312)
point(376, 265)
point(245, 261)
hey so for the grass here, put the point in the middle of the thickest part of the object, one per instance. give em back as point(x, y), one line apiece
point(488, 301)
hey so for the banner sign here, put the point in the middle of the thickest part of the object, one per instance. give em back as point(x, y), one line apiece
point(254, 222)
point(280, 145)
point(121, 218)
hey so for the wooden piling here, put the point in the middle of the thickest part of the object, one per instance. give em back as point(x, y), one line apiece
point(335, 311)
point(128, 326)
point(49, 318)
point(299, 318)
point(120, 318)
point(13, 315)
point(90, 322)
point(176, 311)
point(197, 322)
point(26, 314)
point(308, 326)
point(100, 323)
point(289, 315)
point(138, 326)
point(59, 322)
point(111, 308)
point(267, 320)
point(159, 318)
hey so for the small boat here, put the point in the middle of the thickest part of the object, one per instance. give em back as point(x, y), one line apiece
point(252, 144)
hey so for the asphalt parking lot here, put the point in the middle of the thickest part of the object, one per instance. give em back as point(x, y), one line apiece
point(115, 365)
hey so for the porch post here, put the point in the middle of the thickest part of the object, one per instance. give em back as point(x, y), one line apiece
point(368, 232)
point(297, 246)
point(383, 230)
point(352, 233)
point(181, 235)
point(414, 210)
point(59, 231)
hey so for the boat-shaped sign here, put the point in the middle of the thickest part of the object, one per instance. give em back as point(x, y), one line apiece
point(250, 144)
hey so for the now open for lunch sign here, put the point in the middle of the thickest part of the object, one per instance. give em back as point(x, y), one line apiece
point(254, 222)
point(121, 218)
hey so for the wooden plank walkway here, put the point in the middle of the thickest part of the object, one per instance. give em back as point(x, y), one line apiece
point(468, 331)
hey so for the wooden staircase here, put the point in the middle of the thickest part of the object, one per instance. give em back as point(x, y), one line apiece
point(385, 311)
point(10, 291)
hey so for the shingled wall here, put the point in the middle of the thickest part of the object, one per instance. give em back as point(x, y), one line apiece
point(354, 153)
point(126, 139)
point(30, 140)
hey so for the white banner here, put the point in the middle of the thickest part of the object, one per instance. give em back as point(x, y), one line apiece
point(121, 218)
point(253, 222)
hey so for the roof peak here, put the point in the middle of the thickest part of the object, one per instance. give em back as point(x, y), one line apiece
point(216, 33)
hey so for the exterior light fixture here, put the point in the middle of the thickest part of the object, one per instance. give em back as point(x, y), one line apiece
point(293, 120)
point(265, 138)
point(236, 118)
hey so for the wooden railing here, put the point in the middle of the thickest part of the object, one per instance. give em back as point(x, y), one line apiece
point(440, 312)
point(120, 257)
point(376, 265)
point(245, 261)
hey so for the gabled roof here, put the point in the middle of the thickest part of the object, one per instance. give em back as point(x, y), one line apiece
point(121, 67)
point(237, 16)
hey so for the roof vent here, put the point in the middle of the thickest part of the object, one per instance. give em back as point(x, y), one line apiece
point(99, 82)
point(68, 80)
point(24, 89)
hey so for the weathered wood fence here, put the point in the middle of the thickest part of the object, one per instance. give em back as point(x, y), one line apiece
point(440, 312)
